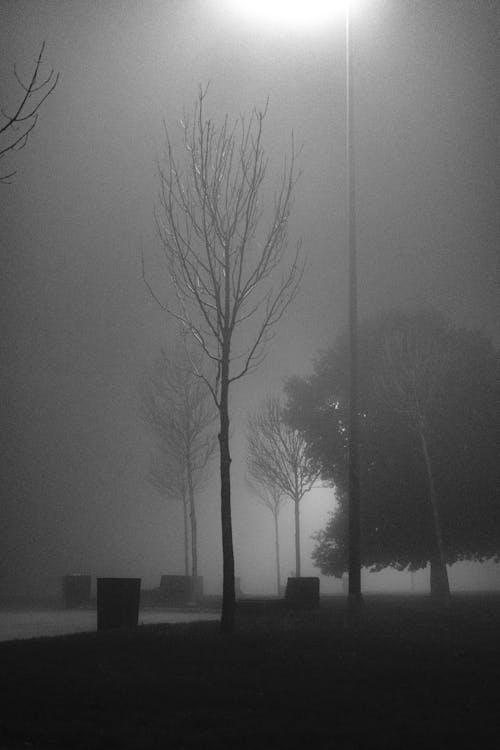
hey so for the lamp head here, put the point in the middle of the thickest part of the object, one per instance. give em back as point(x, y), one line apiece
point(292, 14)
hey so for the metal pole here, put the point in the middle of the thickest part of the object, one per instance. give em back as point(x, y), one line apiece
point(354, 510)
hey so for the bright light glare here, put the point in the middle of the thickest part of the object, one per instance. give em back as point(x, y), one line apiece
point(298, 14)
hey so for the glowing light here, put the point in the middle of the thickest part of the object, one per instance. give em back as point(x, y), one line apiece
point(298, 14)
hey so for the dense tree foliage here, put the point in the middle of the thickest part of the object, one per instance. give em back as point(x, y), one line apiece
point(458, 381)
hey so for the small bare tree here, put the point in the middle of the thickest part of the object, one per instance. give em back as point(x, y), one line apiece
point(277, 458)
point(224, 272)
point(177, 406)
point(414, 361)
point(168, 474)
point(272, 498)
point(16, 126)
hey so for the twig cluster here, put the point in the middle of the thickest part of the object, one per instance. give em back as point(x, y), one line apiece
point(222, 276)
point(16, 126)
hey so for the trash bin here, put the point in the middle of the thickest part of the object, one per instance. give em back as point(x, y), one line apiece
point(302, 593)
point(118, 603)
point(76, 590)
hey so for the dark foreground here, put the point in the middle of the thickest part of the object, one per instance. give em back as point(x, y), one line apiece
point(407, 679)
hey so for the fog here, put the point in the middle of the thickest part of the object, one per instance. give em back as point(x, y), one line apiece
point(79, 327)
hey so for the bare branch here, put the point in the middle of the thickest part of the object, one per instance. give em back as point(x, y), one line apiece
point(223, 275)
point(270, 496)
point(277, 456)
point(16, 128)
point(174, 404)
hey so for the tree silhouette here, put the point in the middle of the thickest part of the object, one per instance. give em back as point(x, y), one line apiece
point(177, 405)
point(272, 498)
point(223, 268)
point(277, 458)
point(168, 475)
point(415, 358)
point(412, 365)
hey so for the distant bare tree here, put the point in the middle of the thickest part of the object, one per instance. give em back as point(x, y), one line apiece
point(277, 458)
point(177, 405)
point(168, 474)
point(272, 498)
point(415, 360)
point(16, 125)
point(225, 279)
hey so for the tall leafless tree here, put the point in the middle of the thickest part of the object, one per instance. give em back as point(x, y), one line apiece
point(224, 241)
point(415, 360)
point(18, 121)
point(178, 407)
point(277, 458)
point(272, 498)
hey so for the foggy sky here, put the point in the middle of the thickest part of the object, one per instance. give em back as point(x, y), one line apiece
point(78, 325)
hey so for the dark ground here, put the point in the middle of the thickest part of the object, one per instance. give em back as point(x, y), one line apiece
point(407, 679)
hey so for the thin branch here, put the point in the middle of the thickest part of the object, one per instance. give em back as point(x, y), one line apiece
point(26, 111)
point(223, 275)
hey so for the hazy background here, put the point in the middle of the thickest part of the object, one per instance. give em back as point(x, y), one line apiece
point(78, 326)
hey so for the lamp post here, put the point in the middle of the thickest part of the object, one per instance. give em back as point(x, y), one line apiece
point(298, 14)
point(354, 594)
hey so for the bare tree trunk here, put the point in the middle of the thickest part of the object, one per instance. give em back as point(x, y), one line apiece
point(194, 547)
point(228, 593)
point(277, 545)
point(194, 532)
point(438, 580)
point(186, 536)
point(440, 587)
point(297, 539)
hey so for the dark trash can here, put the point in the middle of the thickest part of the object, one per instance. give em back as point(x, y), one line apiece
point(302, 593)
point(118, 603)
point(76, 590)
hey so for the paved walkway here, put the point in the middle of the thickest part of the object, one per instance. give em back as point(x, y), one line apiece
point(22, 624)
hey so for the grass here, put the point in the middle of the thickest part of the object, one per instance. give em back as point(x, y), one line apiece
point(408, 678)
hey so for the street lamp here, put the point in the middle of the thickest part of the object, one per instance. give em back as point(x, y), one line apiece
point(298, 14)
point(353, 455)
point(290, 14)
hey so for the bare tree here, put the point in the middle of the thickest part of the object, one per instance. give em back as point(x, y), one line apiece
point(167, 473)
point(178, 407)
point(271, 497)
point(415, 359)
point(16, 125)
point(225, 274)
point(277, 458)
